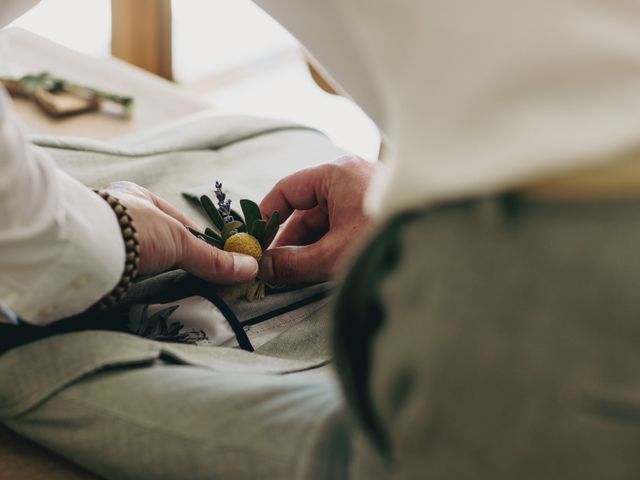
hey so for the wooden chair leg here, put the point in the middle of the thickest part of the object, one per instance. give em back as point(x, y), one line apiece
point(141, 34)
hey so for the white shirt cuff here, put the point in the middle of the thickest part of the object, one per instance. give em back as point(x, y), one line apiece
point(88, 257)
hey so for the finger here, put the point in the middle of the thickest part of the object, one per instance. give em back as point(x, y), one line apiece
point(304, 228)
point(172, 211)
point(290, 265)
point(301, 191)
point(212, 264)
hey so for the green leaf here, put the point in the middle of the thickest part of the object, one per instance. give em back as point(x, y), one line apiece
point(213, 241)
point(143, 328)
point(160, 321)
point(228, 228)
point(194, 231)
point(212, 211)
point(155, 328)
point(238, 216)
point(272, 225)
point(174, 329)
point(251, 213)
point(211, 233)
point(258, 228)
point(164, 314)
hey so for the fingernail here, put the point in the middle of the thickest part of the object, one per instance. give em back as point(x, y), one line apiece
point(244, 266)
point(266, 268)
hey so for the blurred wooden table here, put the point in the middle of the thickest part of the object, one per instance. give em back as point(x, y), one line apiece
point(157, 100)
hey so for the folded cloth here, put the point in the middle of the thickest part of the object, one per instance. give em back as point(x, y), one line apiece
point(249, 155)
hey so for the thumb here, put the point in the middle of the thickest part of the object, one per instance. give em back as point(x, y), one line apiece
point(287, 265)
point(215, 265)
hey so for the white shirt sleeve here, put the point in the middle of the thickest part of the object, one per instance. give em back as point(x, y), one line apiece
point(61, 248)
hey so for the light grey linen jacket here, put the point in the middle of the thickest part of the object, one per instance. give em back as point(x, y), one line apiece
point(128, 407)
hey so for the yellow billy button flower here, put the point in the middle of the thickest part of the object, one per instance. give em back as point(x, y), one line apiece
point(244, 243)
point(224, 234)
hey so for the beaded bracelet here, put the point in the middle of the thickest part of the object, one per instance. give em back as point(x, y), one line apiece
point(132, 251)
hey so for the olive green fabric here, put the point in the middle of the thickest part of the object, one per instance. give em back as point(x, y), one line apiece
point(498, 339)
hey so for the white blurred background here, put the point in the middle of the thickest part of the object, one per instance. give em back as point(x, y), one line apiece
point(230, 54)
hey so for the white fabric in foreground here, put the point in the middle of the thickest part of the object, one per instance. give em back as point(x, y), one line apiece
point(479, 97)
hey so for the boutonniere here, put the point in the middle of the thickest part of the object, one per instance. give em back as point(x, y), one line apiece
point(248, 234)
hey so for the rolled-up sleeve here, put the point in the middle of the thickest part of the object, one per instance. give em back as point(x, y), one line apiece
point(61, 248)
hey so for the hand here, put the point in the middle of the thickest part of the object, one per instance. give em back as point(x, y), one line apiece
point(166, 243)
point(327, 221)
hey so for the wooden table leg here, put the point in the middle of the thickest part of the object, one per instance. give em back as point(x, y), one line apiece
point(141, 34)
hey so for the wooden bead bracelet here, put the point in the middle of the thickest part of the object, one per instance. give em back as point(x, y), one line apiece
point(132, 252)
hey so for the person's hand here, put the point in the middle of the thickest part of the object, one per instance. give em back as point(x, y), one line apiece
point(166, 243)
point(327, 221)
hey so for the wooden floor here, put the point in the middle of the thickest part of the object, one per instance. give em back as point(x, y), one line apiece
point(24, 460)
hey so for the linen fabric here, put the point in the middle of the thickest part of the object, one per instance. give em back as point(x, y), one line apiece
point(130, 407)
point(248, 154)
point(125, 407)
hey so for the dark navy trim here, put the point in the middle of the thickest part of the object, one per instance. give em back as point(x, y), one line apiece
point(316, 297)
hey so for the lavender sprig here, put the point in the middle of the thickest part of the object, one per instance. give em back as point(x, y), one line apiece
point(224, 206)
